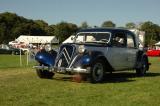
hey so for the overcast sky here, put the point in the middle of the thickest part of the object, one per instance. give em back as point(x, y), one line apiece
point(95, 12)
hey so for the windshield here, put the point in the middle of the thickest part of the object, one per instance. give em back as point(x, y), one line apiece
point(93, 37)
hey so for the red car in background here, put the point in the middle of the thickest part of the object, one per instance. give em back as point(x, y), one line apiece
point(153, 52)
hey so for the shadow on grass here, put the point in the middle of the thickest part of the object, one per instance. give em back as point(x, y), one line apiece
point(109, 78)
point(125, 77)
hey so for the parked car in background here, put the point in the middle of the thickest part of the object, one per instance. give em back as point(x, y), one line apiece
point(153, 52)
point(94, 52)
point(5, 49)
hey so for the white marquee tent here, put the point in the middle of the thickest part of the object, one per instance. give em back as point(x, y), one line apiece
point(158, 44)
point(37, 39)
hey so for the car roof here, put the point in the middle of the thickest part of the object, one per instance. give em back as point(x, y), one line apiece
point(102, 30)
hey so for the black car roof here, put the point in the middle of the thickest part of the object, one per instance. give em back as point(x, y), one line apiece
point(102, 30)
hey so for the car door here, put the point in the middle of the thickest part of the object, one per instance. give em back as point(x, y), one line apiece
point(132, 49)
point(117, 54)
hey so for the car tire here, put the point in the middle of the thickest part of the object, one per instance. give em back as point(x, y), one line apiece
point(44, 74)
point(142, 70)
point(97, 72)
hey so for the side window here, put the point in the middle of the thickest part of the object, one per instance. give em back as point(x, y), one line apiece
point(130, 41)
point(90, 38)
point(119, 40)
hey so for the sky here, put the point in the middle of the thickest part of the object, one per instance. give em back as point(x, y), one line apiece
point(94, 12)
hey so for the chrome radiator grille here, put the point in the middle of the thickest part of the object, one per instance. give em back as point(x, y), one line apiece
point(65, 55)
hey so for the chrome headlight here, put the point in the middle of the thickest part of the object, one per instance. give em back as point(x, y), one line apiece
point(47, 47)
point(81, 49)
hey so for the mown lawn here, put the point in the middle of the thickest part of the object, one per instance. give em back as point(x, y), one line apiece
point(20, 86)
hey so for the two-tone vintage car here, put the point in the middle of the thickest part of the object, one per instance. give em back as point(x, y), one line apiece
point(94, 52)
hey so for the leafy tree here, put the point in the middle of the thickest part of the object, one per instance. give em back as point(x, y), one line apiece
point(63, 30)
point(51, 30)
point(108, 24)
point(2, 33)
point(152, 32)
point(12, 26)
point(84, 25)
point(130, 25)
point(7, 21)
point(43, 26)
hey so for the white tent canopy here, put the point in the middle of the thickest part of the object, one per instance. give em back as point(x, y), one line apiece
point(37, 39)
point(158, 44)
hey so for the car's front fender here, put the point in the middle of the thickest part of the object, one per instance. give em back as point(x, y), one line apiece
point(86, 59)
point(46, 58)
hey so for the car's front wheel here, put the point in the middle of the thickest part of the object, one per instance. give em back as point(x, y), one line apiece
point(97, 72)
point(44, 74)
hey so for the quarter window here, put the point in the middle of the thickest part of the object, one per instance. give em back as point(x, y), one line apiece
point(130, 41)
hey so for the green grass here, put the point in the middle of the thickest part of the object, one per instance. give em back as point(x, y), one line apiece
point(20, 86)
point(13, 61)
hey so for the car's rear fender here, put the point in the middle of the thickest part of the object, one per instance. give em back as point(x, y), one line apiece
point(141, 55)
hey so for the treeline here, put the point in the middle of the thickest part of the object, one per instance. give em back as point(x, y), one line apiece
point(12, 26)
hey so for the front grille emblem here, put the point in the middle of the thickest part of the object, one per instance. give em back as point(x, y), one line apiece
point(64, 57)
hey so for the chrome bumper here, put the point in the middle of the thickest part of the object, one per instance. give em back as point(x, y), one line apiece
point(63, 70)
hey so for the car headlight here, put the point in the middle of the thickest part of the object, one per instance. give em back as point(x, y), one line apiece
point(81, 49)
point(47, 47)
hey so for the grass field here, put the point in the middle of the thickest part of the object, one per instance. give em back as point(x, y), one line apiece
point(20, 86)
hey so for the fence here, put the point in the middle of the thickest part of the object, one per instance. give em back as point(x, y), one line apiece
point(13, 61)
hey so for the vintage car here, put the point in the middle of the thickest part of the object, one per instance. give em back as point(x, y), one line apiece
point(6, 49)
point(94, 52)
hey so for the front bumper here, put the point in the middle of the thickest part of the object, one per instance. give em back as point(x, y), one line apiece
point(64, 70)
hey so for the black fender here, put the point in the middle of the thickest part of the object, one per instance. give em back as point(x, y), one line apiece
point(46, 58)
point(89, 58)
point(140, 55)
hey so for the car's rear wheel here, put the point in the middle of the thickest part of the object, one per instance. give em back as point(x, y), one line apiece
point(142, 70)
point(97, 72)
point(44, 74)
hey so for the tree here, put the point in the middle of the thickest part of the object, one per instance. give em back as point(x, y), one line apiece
point(2, 33)
point(8, 21)
point(108, 24)
point(12, 26)
point(152, 32)
point(51, 30)
point(130, 25)
point(43, 26)
point(63, 30)
point(84, 25)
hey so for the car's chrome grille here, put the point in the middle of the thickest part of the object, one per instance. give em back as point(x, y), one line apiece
point(65, 55)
